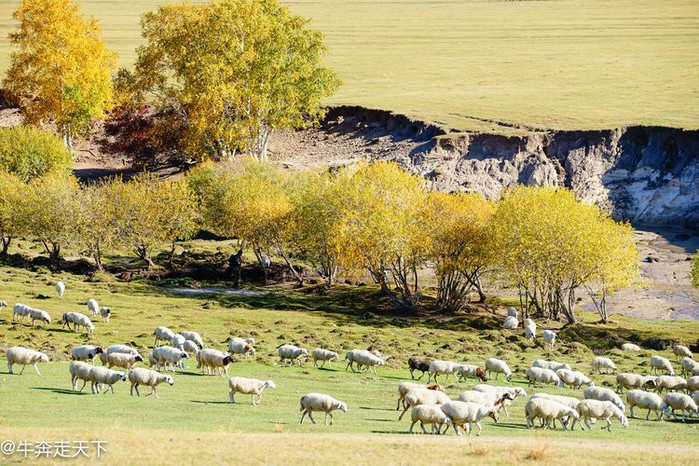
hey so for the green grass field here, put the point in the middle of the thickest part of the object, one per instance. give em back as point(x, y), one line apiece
point(192, 418)
point(568, 64)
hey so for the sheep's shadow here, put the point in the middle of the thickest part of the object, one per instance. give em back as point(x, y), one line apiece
point(381, 420)
point(61, 391)
point(394, 432)
point(505, 425)
point(378, 409)
point(201, 402)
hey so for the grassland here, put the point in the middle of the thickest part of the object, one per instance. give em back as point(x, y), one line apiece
point(567, 64)
point(192, 418)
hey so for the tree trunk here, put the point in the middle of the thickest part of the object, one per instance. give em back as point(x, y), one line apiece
point(6, 240)
point(291, 267)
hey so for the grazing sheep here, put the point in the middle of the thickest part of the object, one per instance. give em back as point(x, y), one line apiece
point(600, 363)
point(603, 394)
point(405, 387)
point(363, 358)
point(574, 379)
point(20, 310)
point(121, 349)
point(106, 313)
point(79, 371)
point(549, 337)
point(81, 320)
point(465, 414)
point(682, 402)
point(629, 381)
point(291, 353)
point(693, 383)
point(239, 346)
point(320, 402)
point(513, 391)
point(695, 397)
point(553, 365)
point(489, 399)
point(24, 357)
point(416, 363)
point(162, 333)
point(123, 360)
point(669, 382)
point(596, 409)
point(214, 361)
point(140, 376)
point(252, 387)
point(85, 352)
point(545, 376)
point(512, 312)
point(190, 347)
point(464, 371)
point(165, 355)
point(659, 362)
point(99, 376)
point(529, 329)
point(568, 401)
point(3, 304)
point(646, 400)
point(499, 367)
point(681, 352)
point(324, 355)
point(630, 347)
point(428, 414)
point(420, 396)
point(689, 366)
point(510, 323)
point(66, 320)
point(60, 288)
point(194, 337)
point(548, 410)
point(442, 367)
point(41, 316)
point(93, 307)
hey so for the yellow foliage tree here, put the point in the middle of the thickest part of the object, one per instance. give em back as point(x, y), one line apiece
point(61, 71)
point(12, 196)
point(460, 245)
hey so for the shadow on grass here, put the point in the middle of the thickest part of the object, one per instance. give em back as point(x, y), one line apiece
point(377, 409)
point(505, 425)
point(397, 432)
point(213, 402)
point(61, 391)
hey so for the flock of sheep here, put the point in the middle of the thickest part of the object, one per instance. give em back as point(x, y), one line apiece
point(428, 403)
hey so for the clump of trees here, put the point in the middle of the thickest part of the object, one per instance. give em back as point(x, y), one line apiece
point(28, 153)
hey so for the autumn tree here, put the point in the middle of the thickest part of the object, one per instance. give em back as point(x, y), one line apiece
point(550, 245)
point(12, 197)
point(61, 70)
point(460, 245)
point(29, 153)
point(231, 72)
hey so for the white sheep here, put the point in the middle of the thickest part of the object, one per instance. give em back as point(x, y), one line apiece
point(681, 352)
point(510, 323)
point(177, 341)
point(93, 306)
point(600, 363)
point(670, 382)
point(106, 313)
point(574, 379)
point(498, 366)
point(529, 329)
point(512, 312)
point(693, 383)
point(596, 409)
point(99, 376)
point(162, 333)
point(194, 337)
point(489, 399)
point(20, 310)
point(549, 337)
point(603, 394)
point(682, 402)
point(291, 353)
point(420, 396)
point(121, 349)
point(41, 316)
point(428, 414)
point(66, 320)
point(689, 366)
point(60, 288)
point(363, 358)
point(442, 367)
point(513, 391)
point(79, 371)
point(213, 361)
point(81, 320)
point(24, 357)
point(630, 347)
point(465, 414)
point(405, 387)
point(324, 355)
point(646, 400)
point(190, 347)
point(542, 375)
point(239, 346)
point(568, 401)
point(634, 381)
point(320, 402)
point(141, 376)
point(252, 387)
point(553, 365)
point(464, 371)
point(695, 397)
point(123, 360)
point(3, 304)
point(165, 355)
point(548, 410)
point(85, 352)
point(659, 362)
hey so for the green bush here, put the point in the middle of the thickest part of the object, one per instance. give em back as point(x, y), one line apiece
point(29, 153)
